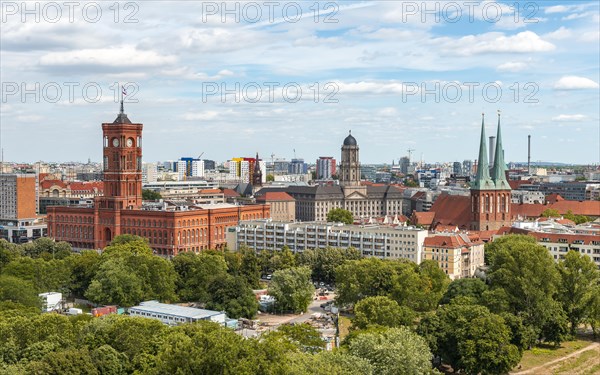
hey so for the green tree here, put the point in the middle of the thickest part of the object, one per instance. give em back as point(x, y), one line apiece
point(72, 361)
point(326, 363)
point(393, 351)
point(470, 338)
point(339, 215)
point(323, 261)
point(283, 259)
point(526, 273)
point(292, 289)
point(150, 195)
point(270, 178)
point(234, 296)
point(18, 291)
point(47, 275)
point(195, 273)
point(144, 275)
point(578, 275)
point(593, 309)
point(485, 346)
point(418, 287)
point(115, 284)
point(464, 287)
point(108, 361)
point(84, 267)
point(550, 212)
point(381, 311)
point(302, 336)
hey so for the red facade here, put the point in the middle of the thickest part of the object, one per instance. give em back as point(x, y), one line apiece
point(120, 211)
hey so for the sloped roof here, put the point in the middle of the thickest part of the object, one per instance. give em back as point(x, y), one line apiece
point(452, 210)
point(424, 218)
point(230, 193)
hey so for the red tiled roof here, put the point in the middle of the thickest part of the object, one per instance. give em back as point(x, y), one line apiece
point(553, 198)
point(516, 184)
point(452, 210)
point(423, 218)
point(230, 193)
point(47, 184)
point(446, 228)
point(588, 208)
point(211, 191)
point(274, 196)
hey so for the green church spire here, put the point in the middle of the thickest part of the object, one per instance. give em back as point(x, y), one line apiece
point(499, 170)
point(482, 179)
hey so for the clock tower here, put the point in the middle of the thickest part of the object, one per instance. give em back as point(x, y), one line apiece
point(122, 163)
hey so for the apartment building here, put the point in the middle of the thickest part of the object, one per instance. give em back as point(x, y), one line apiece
point(458, 255)
point(385, 242)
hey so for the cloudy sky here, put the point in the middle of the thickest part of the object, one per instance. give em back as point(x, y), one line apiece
point(275, 77)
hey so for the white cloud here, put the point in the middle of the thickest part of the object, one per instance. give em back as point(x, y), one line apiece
point(559, 34)
point(523, 42)
point(512, 66)
point(194, 116)
point(569, 118)
point(126, 56)
point(556, 9)
point(29, 118)
point(186, 72)
point(575, 83)
point(389, 87)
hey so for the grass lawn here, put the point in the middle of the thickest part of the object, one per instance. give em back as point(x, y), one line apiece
point(543, 354)
point(344, 324)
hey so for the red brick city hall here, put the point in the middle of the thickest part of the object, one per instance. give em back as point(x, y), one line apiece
point(170, 227)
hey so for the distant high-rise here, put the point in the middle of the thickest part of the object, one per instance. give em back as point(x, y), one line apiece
point(18, 196)
point(190, 167)
point(325, 167)
point(149, 173)
point(404, 164)
point(457, 168)
point(298, 166)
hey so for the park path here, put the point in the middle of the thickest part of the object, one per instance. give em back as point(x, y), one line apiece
point(575, 353)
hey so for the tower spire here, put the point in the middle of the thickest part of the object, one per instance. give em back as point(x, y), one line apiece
point(482, 178)
point(499, 170)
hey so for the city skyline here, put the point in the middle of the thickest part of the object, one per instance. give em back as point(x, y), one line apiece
point(371, 60)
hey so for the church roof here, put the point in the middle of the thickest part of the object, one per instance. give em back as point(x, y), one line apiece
point(483, 181)
point(452, 210)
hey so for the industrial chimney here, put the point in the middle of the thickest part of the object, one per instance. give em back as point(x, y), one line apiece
point(529, 154)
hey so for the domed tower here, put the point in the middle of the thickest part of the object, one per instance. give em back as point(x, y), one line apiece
point(350, 164)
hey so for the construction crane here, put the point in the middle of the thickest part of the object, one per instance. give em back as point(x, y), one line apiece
point(200, 157)
point(410, 151)
point(294, 153)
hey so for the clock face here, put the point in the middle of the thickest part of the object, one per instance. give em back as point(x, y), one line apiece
point(129, 142)
point(116, 142)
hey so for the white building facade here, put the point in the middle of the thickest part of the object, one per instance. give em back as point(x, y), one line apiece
point(385, 242)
